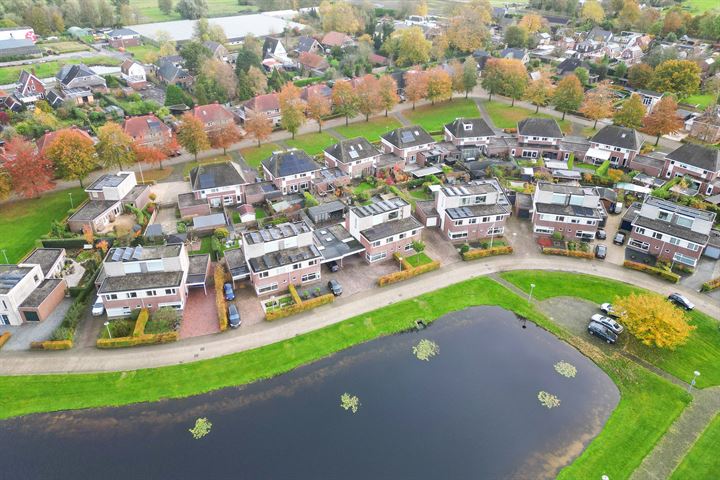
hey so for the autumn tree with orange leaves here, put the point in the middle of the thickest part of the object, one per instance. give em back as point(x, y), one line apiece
point(388, 93)
point(318, 107)
point(30, 172)
point(663, 119)
point(598, 103)
point(225, 136)
point(368, 94)
point(259, 126)
point(73, 154)
point(439, 85)
point(416, 86)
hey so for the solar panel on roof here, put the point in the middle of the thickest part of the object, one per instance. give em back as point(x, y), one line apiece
point(127, 254)
point(117, 254)
point(407, 137)
point(137, 253)
point(353, 154)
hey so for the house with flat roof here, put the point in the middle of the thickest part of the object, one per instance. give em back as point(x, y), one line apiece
point(281, 255)
point(51, 261)
point(149, 277)
point(618, 144)
point(291, 171)
point(671, 232)
point(572, 210)
point(26, 295)
point(384, 227)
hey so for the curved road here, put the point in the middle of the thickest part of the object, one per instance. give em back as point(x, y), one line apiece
point(199, 348)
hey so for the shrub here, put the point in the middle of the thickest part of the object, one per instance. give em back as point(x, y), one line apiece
point(658, 272)
point(567, 253)
point(407, 273)
point(145, 339)
point(220, 302)
point(299, 307)
point(310, 201)
point(603, 169)
point(52, 345)
point(710, 285)
point(140, 323)
point(4, 337)
point(557, 236)
point(464, 249)
point(221, 233)
point(418, 246)
point(487, 252)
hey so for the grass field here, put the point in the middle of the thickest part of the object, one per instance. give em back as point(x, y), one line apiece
point(700, 6)
point(702, 348)
point(65, 47)
point(207, 161)
point(157, 174)
point(418, 259)
point(312, 143)
point(702, 461)
point(255, 155)
point(24, 221)
point(434, 117)
point(49, 69)
point(143, 53)
point(700, 101)
point(505, 116)
point(150, 12)
point(370, 130)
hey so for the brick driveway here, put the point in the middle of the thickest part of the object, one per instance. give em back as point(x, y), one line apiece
point(200, 316)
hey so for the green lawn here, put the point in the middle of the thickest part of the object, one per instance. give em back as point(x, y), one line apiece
point(701, 101)
point(260, 213)
point(24, 221)
point(255, 155)
point(371, 130)
point(150, 12)
point(701, 352)
point(312, 143)
point(141, 52)
point(702, 461)
point(49, 69)
point(700, 6)
point(418, 259)
point(65, 47)
point(505, 116)
point(207, 161)
point(434, 117)
point(420, 194)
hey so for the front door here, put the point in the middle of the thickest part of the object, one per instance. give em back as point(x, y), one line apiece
point(31, 316)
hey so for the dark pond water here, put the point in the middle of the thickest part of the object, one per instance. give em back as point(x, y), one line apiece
point(469, 413)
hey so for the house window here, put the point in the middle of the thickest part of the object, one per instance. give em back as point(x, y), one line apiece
point(496, 231)
point(657, 235)
point(472, 221)
point(150, 293)
point(640, 230)
point(457, 223)
point(309, 277)
point(312, 262)
point(456, 235)
point(375, 244)
point(296, 266)
point(393, 215)
point(375, 257)
point(674, 241)
point(408, 247)
point(401, 236)
point(543, 230)
point(484, 219)
point(132, 294)
point(268, 288)
point(169, 291)
point(389, 240)
point(263, 274)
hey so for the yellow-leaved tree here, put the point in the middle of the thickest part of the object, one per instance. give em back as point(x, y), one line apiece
point(653, 320)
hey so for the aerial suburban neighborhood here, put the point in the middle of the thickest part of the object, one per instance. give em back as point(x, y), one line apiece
point(227, 219)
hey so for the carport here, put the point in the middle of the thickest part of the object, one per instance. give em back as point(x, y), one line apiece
point(336, 243)
point(236, 264)
point(198, 271)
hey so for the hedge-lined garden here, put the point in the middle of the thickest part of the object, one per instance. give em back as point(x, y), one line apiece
point(299, 305)
point(408, 271)
point(138, 335)
point(658, 272)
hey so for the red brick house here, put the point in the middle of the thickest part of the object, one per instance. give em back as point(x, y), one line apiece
point(147, 130)
point(49, 137)
point(213, 186)
point(313, 63)
point(355, 157)
point(291, 171)
point(572, 210)
point(268, 104)
point(214, 116)
point(620, 145)
point(699, 164)
point(28, 91)
point(539, 138)
point(407, 142)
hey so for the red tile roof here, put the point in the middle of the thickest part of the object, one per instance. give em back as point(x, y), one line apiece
point(335, 39)
point(139, 127)
point(264, 103)
point(213, 112)
point(313, 60)
point(45, 141)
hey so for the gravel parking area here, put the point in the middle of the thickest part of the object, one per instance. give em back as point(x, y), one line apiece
point(574, 315)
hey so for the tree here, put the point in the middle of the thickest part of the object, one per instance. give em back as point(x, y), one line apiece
point(467, 28)
point(592, 11)
point(629, 16)
point(516, 37)
point(106, 13)
point(681, 77)
point(5, 184)
point(225, 136)
point(339, 17)
point(195, 54)
point(148, 154)
point(416, 85)
point(439, 85)
point(257, 80)
point(253, 45)
point(223, 76)
point(653, 320)
point(409, 46)
point(663, 119)
point(388, 93)
point(175, 95)
point(469, 75)
point(568, 95)
point(344, 99)
point(165, 6)
point(532, 23)
point(621, 70)
point(73, 154)
point(583, 75)
point(259, 126)
point(191, 134)
point(640, 75)
point(440, 46)
point(505, 76)
point(598, 103)
point(631, 113)
point(318, 107)
point(245, 60)
point(368, 96)
point(114, 147)
point(192, 9)
point(292, 109)
point(492, 77)
point(539, 92)
point(30, 172)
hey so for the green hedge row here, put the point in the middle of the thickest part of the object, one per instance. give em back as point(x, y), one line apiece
point(487, 252)
point(658, 272)
point(303, 306)
point(567, 253)
point(140, 323)
point(711, 285)
point(144, 339)
point(408, 273)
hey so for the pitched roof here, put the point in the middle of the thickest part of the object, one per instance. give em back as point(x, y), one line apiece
point(313, 60)
point(212, 112)
point(212, 46)
point(168, 70)
point(43, 142)
point(616, 136)
point(516, 53)
point(269, 46)
point(599, 35)
point(352, 150)
point(697, 156)
point(27, 81)
point(469, 127)
point(215, 175)
point(68, 73)
point(125, 66)
point(539, 127)
point(405, 137)
point(335, 39)
point(318, 89)
point(264, 103)
point(305, 44)
point(144, 125)
point(291, 162)
point(386, 229)
point(123, 32)
point(569, 65)
point(18, 46)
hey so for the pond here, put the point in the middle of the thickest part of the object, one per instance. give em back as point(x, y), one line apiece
point(471, 411)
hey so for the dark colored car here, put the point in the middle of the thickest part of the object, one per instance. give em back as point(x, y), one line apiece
point(619, 238)
point(233, 316)
point(335, 287)
point(681, 301)
point(601, 251)
point(601, 331)
point(333, 266)
point(229, 292)
point(601, 234)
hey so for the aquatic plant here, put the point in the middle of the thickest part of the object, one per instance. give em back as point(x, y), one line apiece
point(349, 402)
point(549, 400)
point(202, 427)
point(426, 349)
point(566, 369)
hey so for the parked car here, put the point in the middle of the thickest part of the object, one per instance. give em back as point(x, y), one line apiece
point(614, 326)
point(608, 310)
point(333, 266)
point(681, 301)
point(335, 287)
point(601, 331)
point(229, 292)
point(233, 316)
point(601, 234)
point(619, 238)
point(618, 208)
point(601, 251)
point(98, 308)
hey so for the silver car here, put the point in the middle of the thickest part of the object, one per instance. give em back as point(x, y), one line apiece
point(614, 326)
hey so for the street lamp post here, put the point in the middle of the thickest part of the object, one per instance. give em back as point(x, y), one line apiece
point(532, 287)
point(107, 325)
point(72, 205)
point(5, 255)
point(492, 234)
point(692, 384)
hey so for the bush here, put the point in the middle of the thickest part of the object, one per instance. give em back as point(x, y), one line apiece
point(62, 333)
point(145, 339)
point(567, 253)
point(302, 306)
point(52, 345)
point(603, 169)
point(407, 273)
point(658, 272)
point(140, 323)
point(464, 249)
point(4, 337)
point(487, 252)
point(220, 301)
point(310, 201)
point(710, 285)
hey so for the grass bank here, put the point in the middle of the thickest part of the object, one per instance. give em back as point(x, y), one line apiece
point(371, 130)
point(702, 461)
point(434, 117)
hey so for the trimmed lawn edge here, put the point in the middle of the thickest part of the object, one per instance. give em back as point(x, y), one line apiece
point(702, 459)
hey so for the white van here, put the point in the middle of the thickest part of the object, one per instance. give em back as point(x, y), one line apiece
point(98, 308)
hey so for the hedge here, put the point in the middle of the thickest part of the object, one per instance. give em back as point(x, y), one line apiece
point(140, 323)
point(220, 301)
point(302, 306)
point(486, 252)
point(144, 339)
point(567, 253)
point(407, 273)
point(658, 272)
point(4, 338)
point(52, 345)
point(710, 285)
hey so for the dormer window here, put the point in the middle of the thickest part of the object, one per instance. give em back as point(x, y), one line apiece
point(467, 126)
point(664, 216)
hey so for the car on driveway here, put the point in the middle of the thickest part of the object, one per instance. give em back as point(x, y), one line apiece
point(233, 316)
point(333, 266)
point(601, 234)
point(602, 332)
point(98, 308)
point(335, 287)
point(608, 310)
point(601, 251)
point(614, 326)
point(681, 301)
point(619, 238)
point(229, 292)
